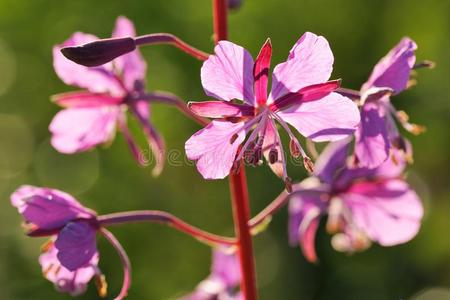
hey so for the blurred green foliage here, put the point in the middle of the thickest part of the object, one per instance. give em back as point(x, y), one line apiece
point(167, 263)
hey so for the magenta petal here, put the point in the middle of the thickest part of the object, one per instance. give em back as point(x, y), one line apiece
point(389, 212)
point(85, 99)
point(76, 244)
point(72, 282)
point(309, 93)
point(332, 160)
point(97, 80)
point(215, 147)
point(310, 62)
point(304, 218)
point(220, 109)
point(131, 65)
point(394, 69)
point(226, 267)
point(331, 118)
point(80, 129)
point(261, 72)
point(372, 141)
point(48, 208)
point(228, 74)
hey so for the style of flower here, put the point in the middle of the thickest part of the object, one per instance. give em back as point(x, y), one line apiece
point(221, 283)
point(91, 116)
point(300, 96)
point(362, 204)
point(377, 132)
point(70, 257)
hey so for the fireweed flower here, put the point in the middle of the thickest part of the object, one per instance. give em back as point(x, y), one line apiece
point(91, 116)
point(222, 282)
point(300, 96)
point(70, 257)
point(362, 204)
point(377, 132)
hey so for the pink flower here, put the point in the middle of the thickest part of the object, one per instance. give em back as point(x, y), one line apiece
point(91, 116)
point(378, 133)
point(300, 96)
point(221, 283)
point(362, 204)
point(70, 258)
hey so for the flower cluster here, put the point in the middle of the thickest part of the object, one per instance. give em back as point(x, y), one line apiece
point(357, 181)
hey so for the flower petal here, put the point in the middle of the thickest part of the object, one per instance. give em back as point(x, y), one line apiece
point(80, 129)
point(132, 65)
point(76, 244)
point(310, 62)
point(261, 72)
point(332, 160)
point(85, 99)
point(309, 93)
point(372, 141)
point(72, 282)
point(389, 212)
point(215, 147)
point(48, 208)
point(228, 74)
point(225, 266)
point(97, 80)
point(304, 217)
point(394, 69)
point(329, 119)
point(220, 109)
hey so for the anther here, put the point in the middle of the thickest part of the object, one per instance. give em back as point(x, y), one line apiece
point(295, 151)
point(273, 155)
point(102, 285)
point(309, 165)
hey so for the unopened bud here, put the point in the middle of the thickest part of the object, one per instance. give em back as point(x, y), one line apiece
point(309, 165)
point(99, 52)
point(273, 155)
point(295, 151)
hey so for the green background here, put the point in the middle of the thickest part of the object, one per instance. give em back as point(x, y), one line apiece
point(167, 263)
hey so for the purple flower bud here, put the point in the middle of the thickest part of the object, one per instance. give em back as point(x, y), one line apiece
point(99, 52)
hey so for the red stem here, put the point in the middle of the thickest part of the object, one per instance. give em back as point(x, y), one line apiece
point(167, 38)
point(238, 185)
point(164, 218)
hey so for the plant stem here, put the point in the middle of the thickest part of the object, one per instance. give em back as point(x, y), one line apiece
point(172, 99)
point(125, 262)
point(272, 208)
point(238, 185)
point(162, 217)
point(167, 38)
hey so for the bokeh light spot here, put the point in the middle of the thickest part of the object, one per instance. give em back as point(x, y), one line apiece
point(16, 145)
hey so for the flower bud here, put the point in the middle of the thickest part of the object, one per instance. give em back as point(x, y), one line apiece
point(99, 52)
